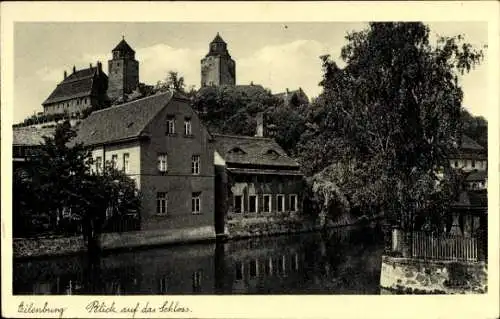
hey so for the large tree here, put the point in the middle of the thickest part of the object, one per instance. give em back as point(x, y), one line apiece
point(392, 111)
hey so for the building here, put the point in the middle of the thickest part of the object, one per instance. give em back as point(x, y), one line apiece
point(254, 178)
point(78, 91)
point(160, 143)
point(295, 97)
point(470, 156)
point(217, 67)
point(25, 143)
point(123, 71)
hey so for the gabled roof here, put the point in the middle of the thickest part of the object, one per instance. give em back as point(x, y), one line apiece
point(77, 84)
point(123, 47)
point(472, 199)
point(121, 122)
point(30, 136)
point(249, 150)
point(469, 144)
point(477, 176)
point(288, 94)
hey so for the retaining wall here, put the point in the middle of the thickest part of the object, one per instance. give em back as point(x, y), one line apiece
point(418, 276)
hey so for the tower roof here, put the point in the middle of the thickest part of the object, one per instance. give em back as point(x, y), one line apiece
point(218, 39)
point(123, 47)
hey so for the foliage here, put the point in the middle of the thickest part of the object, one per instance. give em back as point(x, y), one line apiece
point(390, 117)
point(173, 82)
point(476, 127)
point(232, 109)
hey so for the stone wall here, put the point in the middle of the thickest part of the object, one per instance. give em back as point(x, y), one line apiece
point(267, 225)
point(47, 246)
point(418, 276)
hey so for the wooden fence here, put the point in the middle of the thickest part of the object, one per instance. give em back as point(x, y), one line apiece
point(445, 247)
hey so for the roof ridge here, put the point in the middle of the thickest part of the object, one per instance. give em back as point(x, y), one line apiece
point(130, 102)
point(244, 136)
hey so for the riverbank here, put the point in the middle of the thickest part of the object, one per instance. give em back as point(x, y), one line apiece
point(417, 276)
point(234, 230)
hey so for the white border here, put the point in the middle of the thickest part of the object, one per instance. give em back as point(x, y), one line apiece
point(463, 306)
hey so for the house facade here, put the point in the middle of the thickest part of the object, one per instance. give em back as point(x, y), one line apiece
point(254, 178)
point(160, 143)
point(470, 156)
point(80, 90)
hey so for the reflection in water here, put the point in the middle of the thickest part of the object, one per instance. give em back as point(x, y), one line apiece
point(341, 261)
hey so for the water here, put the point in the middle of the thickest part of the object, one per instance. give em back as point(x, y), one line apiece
point(342, 261)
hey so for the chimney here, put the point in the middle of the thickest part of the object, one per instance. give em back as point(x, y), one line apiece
point(260, 124)
point(90, 65)
point(99, 67)
point(287, 91)
point(74, 69)
point(65, 74)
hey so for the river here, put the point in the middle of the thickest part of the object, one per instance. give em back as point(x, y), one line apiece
point(340, 261)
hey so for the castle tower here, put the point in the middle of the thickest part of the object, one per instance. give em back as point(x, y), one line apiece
point(217, 67)
point(123, 71)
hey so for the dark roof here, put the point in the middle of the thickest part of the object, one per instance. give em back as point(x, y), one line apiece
point(77, 84)
point(218, 39)
point(472, 199)
point(288, 94)
point(469, 144)
point(121, 122)
point(477, 176)
point(30, 136)
point(249, 150)
point(123, 47)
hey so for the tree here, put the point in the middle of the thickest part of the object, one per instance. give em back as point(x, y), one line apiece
point(173, 81)
point(394, 110)
point(60, 178)
point(232, 109)
point(476, 127)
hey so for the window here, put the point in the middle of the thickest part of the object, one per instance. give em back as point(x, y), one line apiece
point(163, 285)
point(473, 163)
point(171, 125)
point(187, 126)
point(162, 162)
point(195, 203)
point(267, 203)
point(161, 203)
point(281, 203)
point(114, 160)
point(254, 268)
point(126, 157)
point(238, 204)
point(197, 275)
point(238, 267)
point(98, 164)
point(456, 163)
point(195, 164)
point(293, 203)
point(252, 204)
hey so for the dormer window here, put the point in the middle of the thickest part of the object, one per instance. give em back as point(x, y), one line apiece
point(237, 150)
point(272, 152)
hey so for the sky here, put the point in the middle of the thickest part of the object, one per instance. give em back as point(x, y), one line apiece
point(275, 55)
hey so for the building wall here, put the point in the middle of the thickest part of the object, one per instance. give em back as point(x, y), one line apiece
point(178, 181)
point(217, 71)
point(134, 151)
point(123, 77)
point(260, 185)
point(467, 164)
point(69, 106)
